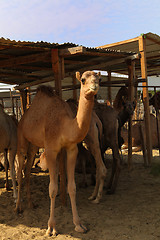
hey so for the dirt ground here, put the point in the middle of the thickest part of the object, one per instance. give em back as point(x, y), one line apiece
point(133, 212)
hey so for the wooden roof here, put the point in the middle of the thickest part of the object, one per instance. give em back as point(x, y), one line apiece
point(152, 52)
point(30, 63)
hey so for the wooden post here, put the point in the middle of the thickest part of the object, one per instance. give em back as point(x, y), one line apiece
point(23, 98)
point(74, 90)
point(16, 109)
point(142, 49)
point(109, 88)
point(58, 69)
point(131, 66)
point(12, 100)
point(143, 143)
point(28, 98)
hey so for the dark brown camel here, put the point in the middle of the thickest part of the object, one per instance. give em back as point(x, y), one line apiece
point(49, 123)
point(8, 145)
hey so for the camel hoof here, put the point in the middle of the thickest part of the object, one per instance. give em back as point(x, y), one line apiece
point(91, 198)
point(81, 228)
point(51, 232)
point(95, 201)
point(18, 210)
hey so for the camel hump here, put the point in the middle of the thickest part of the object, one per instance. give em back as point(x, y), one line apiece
point(48, 90)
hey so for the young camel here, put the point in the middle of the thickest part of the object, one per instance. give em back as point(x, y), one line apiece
point(8, 144)
point(112, 122)
point(49, 123)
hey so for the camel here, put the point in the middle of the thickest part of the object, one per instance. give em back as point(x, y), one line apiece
point(8, 145)
point(155, 100)
point(49, 124)
point(93, 141)
point(136, 136)
point(120, 99)
point(112, 122)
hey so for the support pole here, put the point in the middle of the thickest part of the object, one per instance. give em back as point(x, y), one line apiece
point(131, 66)
point(74, 90)
point(109, 88)
point(58, 69)
point(23, 98)
point(142, 49)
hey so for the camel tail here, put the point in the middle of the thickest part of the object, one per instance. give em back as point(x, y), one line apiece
point(62, 171)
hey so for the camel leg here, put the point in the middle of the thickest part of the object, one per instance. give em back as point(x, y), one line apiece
point(115, 171)
point(6, 169)
point(71, 162)
point(30, 159)
point(21, 154)
point(51, 158)
point(21, 159)
point(12, 154)
point(101, 170)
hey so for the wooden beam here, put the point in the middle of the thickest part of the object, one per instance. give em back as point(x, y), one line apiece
point(33, 83)
point(142, 49)
point(119, 43)
point(45, 56)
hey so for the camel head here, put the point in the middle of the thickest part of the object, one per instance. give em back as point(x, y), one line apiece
point(89, 82)
point(129, 107)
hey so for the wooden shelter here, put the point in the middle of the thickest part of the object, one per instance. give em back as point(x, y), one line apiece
point(148, 45)
point(26, 64)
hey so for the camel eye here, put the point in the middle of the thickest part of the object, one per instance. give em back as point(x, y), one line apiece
point(83, 80)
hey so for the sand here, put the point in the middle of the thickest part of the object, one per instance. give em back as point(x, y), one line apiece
point(133, 212)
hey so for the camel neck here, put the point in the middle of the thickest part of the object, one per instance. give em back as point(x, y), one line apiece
point(83, 118)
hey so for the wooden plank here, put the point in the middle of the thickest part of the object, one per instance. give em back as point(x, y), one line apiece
point(71, 51)
point(142, 49)
point(45, 56)
point(33, 83)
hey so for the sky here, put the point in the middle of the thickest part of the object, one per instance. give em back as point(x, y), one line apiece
point(90, 23)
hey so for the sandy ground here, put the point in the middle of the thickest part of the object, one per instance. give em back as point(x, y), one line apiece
point(133, 212)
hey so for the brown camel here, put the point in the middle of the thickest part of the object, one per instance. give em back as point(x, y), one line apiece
point(120, 99)
point(112, 122)
point(8, 144)
point(155, 100)
point(49, 123)
point(136, 136)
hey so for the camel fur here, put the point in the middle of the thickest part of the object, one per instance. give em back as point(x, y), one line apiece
point(49, 124)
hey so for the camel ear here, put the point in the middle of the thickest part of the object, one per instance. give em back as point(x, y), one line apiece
point(78, 76)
